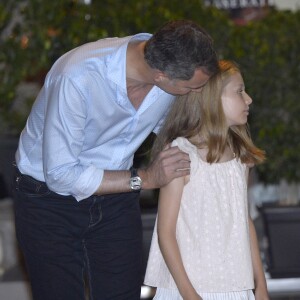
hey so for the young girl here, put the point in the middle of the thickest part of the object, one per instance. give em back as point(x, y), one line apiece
point(204, 244)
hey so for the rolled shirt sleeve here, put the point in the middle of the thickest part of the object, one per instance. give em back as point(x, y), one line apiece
point(63, 141)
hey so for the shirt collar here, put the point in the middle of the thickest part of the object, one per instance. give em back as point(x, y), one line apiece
point(116, 62)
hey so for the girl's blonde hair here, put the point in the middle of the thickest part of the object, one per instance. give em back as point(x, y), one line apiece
point(200, 114)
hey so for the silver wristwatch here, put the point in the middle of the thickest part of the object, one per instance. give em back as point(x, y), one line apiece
point(135, 182)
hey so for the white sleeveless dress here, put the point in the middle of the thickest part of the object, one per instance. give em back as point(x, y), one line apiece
point(212, 232)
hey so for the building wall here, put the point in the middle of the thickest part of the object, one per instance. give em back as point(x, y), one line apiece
point(287, 4)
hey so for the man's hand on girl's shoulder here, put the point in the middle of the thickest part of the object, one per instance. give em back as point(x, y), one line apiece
point(169, 164)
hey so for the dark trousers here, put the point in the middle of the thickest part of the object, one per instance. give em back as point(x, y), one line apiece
point(71, 247)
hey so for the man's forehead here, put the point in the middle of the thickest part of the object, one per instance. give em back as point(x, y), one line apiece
point(197, 81)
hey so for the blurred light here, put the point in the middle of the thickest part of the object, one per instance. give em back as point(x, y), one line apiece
point(24, 42)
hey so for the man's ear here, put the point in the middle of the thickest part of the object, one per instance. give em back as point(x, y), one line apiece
point(160, 76)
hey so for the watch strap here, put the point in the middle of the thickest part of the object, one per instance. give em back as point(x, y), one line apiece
point(133, 172)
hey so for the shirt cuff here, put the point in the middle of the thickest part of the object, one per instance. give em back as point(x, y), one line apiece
point(87, 183)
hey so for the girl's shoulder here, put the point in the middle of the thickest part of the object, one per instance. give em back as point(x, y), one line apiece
point(185, 145)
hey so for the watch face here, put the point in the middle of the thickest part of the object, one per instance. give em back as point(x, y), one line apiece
point(135, 183)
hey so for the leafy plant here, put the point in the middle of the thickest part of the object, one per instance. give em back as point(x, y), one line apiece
point(34, 33)
point(269, 53)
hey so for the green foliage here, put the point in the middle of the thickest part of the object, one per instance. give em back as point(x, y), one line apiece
point(269, 54)
point(44, 30)
point(267, 51)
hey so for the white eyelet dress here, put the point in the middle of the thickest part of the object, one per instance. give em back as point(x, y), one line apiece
point(212, 232)
point(168, 294)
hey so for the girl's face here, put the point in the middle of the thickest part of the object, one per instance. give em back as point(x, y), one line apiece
point(235, 101)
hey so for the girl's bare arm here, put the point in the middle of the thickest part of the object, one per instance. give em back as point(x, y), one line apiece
point(261, 290)
point(168, 208)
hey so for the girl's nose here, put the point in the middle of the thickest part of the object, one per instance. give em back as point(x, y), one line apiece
point(248, 99)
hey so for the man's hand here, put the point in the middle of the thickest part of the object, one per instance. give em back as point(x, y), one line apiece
point(169, 164)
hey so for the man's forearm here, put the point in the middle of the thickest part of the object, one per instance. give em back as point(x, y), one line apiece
point(169, 164)
point(119, 182)
point(114, 182)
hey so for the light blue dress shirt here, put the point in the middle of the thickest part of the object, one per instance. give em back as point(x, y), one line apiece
point(82, 121)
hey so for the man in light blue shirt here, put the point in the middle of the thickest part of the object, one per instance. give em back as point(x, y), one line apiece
point(76, 195)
